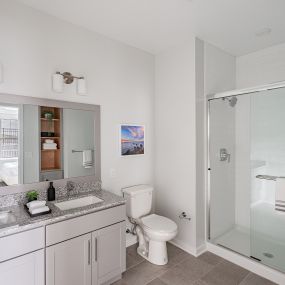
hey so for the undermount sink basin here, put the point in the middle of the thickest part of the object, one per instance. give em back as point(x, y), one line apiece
point(6, 218)
point(77, 203)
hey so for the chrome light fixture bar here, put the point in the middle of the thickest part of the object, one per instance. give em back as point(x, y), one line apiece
point(66, 77)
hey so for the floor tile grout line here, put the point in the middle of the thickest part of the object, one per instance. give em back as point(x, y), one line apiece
point(244, 277)
point(180, 261)
point(210, 269)
point(179, 258)
point(134, 265)
point(170, 267)
point(152, 280)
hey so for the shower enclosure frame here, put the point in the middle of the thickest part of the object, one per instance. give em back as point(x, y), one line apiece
point(211, 97)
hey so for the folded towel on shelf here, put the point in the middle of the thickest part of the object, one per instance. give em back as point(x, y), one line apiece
point(39, 210)
point(280, 195)
point(49, 146)
point(87, 158)
point(36, 204)
point(49, 141)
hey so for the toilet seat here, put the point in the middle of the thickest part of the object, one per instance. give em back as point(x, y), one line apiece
point(158, 224)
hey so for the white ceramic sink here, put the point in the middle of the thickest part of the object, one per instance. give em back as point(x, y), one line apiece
point(6, 218)
point(77, 203)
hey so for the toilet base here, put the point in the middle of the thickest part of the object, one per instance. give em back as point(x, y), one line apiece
point(157, 252)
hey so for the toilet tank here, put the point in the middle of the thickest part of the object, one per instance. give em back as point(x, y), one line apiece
point(139, 200)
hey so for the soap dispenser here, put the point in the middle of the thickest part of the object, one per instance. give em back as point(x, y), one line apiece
point(51, 192)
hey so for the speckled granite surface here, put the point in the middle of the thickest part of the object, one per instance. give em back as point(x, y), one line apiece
point(25, 222)
point(20, 198)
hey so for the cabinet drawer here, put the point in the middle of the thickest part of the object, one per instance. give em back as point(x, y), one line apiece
point(61, 231)
point(21, 243)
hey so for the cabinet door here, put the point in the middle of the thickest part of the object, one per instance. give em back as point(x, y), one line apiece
point(109, 253)
point(24, 270)
point(69, 262)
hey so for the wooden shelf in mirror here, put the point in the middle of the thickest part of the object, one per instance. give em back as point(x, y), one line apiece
point(44, 119)
point(51, 169)
point(51, 158)
point(50, 138)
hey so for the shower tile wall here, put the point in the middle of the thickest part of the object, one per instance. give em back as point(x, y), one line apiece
point(268, 148)
point(242, 162)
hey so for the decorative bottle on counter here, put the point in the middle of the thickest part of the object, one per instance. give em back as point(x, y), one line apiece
point(51, 192)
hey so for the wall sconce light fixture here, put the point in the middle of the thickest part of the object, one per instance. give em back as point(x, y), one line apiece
point(66, 77)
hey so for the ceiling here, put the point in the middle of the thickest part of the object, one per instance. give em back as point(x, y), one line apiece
point(155, 25)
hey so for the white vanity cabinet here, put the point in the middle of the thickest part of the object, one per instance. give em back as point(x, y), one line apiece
point(84, 250)
point(69, 262)
point(24, 270)
point(88, 250)
point(109, 253)
point(22, 258)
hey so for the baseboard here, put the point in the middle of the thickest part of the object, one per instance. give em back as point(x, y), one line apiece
point(193, 251)
point(201, 249)
point(258, 268)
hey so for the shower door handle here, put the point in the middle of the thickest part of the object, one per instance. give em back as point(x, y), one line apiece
point(224, 155)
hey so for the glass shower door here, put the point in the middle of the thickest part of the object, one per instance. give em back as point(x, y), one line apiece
point(222, 164)
point(247, 175)
point(267, 139)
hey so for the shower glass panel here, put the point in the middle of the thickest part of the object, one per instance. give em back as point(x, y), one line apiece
point(247, 159)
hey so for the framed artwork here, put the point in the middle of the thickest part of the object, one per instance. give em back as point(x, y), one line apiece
point(132, 140)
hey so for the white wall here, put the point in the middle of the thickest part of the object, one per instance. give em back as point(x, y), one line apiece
point(31, 149)
point(219, 76)
point(184, 76)
point(119, 78)
point(261, 67)
point(220, 70)
point(215, 72)
point(201, 146)
point(78, 134)
point(175, 143)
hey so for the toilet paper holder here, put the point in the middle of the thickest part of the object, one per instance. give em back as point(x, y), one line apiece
point(184, 216)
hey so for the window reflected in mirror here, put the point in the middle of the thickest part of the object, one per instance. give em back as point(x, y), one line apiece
point(9, 145)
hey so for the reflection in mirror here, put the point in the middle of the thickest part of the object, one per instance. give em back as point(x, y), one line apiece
point(39, 143)
point(9, 145)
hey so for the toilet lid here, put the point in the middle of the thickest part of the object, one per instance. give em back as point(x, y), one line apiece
point(159, 223)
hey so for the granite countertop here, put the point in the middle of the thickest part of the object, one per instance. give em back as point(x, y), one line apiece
point(25, 222)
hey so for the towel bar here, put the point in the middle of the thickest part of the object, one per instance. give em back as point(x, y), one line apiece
point(73, 151)
point(268, 177)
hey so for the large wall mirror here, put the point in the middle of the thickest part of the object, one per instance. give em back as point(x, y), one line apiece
point(44, 140)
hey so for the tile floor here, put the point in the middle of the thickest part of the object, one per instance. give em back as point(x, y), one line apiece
point(185, 269)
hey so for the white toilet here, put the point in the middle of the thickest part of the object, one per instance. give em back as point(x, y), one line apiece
point(153, 230)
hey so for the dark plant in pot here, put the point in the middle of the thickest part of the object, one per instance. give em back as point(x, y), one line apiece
point(32, 195)
point(48, 115)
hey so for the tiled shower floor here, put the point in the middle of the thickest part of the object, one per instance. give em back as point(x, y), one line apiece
point(237, 239)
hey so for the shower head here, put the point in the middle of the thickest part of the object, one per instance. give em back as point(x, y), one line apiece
point(232, 100)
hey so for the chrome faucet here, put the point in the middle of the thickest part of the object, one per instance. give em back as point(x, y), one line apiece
point(70, 185)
